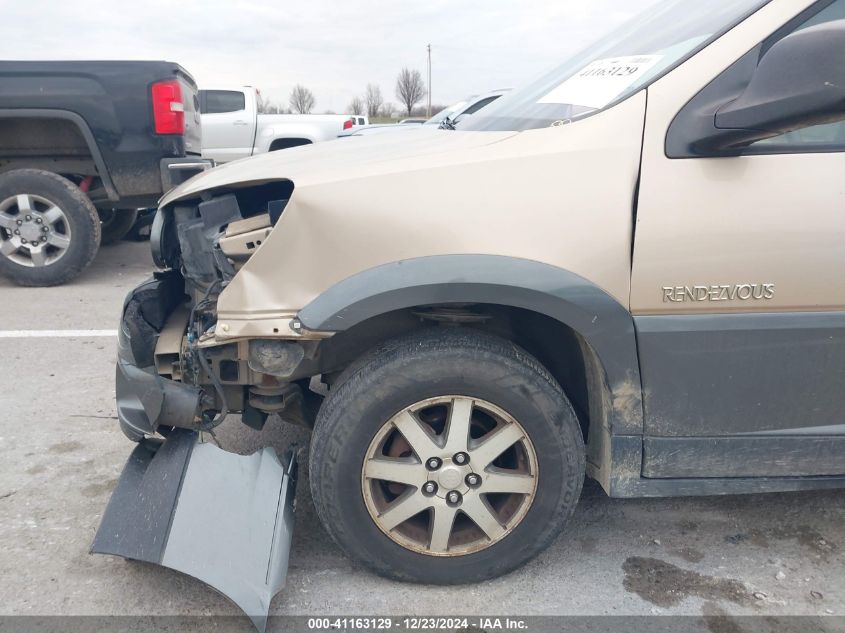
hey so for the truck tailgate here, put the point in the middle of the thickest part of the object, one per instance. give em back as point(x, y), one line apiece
point(190, 100)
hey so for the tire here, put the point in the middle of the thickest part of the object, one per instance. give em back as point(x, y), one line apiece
point(76, 234)
point(116, 224)
point(142, 229)
point(432, 364)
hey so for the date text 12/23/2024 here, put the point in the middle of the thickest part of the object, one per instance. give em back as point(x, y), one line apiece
point(417, 624)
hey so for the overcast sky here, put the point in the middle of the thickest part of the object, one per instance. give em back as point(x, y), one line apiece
point(334, 48)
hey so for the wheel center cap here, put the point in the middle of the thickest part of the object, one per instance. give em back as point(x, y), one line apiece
point(450, 477)
point(30, 231)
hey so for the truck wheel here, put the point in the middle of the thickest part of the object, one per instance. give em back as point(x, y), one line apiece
point(448, 456)
point(115, 224)
point(49, 230)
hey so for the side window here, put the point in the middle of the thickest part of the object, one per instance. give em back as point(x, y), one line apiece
point(828, 136)
point(220, 101)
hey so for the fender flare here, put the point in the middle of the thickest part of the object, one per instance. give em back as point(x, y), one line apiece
point(520, 283)
point(84, 129)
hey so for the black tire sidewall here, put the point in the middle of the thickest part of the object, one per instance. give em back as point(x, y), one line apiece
point(376, 393)
point(81, 216)
point(118, 227)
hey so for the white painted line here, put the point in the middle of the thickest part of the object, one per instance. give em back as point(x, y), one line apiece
point(57, 333)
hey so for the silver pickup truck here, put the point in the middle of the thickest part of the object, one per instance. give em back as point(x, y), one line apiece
point(233, 128)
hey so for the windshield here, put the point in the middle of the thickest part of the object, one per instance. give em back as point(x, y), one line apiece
point(616, 66)
point(449, 111)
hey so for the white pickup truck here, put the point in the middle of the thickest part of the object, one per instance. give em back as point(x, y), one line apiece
point(232, 128)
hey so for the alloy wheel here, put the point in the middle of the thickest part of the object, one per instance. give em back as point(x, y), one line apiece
point(34, 232)
point(449, 476)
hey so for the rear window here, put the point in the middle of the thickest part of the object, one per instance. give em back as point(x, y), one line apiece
point(220, 101)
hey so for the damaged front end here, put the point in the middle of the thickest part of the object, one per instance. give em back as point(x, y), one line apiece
point(145, 399)
point(183, 503)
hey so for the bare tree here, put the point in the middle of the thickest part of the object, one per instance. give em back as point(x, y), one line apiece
point(301, 99)
point(410, 88)
point(373, 99)
point(356, 106)
point(387, 110)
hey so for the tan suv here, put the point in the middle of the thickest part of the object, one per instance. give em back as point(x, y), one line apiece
point(633, 269)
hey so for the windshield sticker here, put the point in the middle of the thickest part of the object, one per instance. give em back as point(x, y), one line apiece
point(600, 82)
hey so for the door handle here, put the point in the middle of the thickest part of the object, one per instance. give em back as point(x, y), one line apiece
point(240, 123)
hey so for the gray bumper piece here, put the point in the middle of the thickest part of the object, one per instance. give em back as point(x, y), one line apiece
point(222, 518)
point(145, 401)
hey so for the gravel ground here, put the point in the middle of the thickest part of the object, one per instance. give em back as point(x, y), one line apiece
point(62, 451)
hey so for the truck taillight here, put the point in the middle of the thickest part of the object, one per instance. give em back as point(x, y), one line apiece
point(168, 108)
point(347, 125)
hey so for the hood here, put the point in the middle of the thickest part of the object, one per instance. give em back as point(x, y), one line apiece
point(344, 159)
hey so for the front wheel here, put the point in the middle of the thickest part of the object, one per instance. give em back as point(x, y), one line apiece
point(446, 457)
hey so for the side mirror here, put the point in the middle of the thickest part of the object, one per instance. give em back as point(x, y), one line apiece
point(799, 82)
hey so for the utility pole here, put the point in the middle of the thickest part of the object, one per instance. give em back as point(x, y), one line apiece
point(428, 111)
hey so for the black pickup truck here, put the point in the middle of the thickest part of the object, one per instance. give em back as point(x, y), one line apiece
point(83, 145)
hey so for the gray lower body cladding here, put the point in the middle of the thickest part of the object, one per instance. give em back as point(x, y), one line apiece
point(145, 400)
point(743, 395)
point(182, 504)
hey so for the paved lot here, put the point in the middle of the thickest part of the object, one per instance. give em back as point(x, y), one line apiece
point(61, 453)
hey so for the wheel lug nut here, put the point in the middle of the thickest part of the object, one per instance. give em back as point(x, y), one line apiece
point(430, 487)
point(433, 463)
point(17, 232)
point(460, 458)
point(473, 480)
point(454, 497)
point(18, 222)
point(39, 220)
point(44, 229)
point(23, 240)
point(28, 218)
